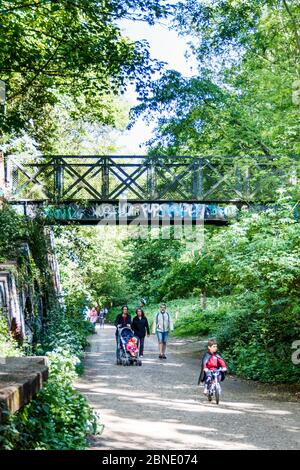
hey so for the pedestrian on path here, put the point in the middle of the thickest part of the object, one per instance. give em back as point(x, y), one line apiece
point(140, 327)
point(122, 320)
point(93, 315)
point(86, 312)
point(162, 324)
point(102, 314)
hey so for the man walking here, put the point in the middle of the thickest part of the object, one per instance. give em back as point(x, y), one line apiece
point(162, 324)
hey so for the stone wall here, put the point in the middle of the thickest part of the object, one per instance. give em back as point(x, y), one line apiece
point(24, 302)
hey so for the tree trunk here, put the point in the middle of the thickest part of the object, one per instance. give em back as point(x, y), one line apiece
point(203, 299)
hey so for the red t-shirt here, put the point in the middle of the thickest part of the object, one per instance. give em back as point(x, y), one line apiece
point(214, 362)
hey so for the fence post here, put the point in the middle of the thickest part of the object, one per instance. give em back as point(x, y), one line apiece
point(105, 179)
point(151, 181)
point(59, 179)
point(239, 180)
point(198, 179)
point(5, 177)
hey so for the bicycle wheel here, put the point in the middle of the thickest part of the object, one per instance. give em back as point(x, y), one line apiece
point(210, 393)
point(217, 393)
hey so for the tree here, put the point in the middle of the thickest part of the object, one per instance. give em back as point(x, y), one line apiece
point(92, 267)
point(241, 101)
point(50, 48)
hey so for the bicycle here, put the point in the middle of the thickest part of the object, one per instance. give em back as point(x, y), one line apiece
point(214, 387)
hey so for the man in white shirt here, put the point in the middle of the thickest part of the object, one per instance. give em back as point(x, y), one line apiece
point(162, 324)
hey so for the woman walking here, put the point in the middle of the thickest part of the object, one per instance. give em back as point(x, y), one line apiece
point(140, 327)
point(93, 315)
point(122, 320)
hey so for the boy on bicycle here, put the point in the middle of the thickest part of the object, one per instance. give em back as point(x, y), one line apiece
point(209, 363)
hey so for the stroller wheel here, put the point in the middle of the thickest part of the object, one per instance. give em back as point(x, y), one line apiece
point(139, 363)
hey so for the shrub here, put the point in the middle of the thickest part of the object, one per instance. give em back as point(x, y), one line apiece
point(8, 347)
point(58, 418)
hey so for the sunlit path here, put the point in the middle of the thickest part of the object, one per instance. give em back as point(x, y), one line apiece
point(159, 406)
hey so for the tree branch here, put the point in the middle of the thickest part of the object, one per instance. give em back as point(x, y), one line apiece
point(28, 84)
point(25, 5)
point(294, 23)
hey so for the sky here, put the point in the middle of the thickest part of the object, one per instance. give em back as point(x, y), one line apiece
point(164, 45)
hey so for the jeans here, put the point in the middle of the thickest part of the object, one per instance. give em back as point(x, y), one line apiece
point(162, 336)
point(209, 376)
point(118, 349)
point(142, 345)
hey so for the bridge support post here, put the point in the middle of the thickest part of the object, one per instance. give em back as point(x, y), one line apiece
point(151, 181)
point(5, 178)
point(198, 179)
point(105, 179)
point(59, 180)
point(239, 180)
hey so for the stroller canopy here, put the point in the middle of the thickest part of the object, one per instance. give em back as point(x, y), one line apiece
point(126, 334)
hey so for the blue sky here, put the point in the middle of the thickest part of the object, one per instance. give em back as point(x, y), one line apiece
point(167, 46)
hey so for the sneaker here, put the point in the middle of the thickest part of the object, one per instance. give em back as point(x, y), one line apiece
point(141, 355)
point(205, 391)
point(160, 356)
point(164, 356)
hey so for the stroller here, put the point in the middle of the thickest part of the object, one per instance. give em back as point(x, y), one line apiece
point(127, 355)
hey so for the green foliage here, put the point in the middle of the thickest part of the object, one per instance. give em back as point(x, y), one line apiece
point(12, 228)
point(185, 277)
point(240, 102)
point(76, 49)
point(200, 322)
point(67, 332)
point(251, 271)
point(148, 261)
point(92, 267)
point(59, 418)
point(8, 347)
point(256, 259)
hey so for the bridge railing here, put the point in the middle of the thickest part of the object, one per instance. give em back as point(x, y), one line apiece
point(181, 178)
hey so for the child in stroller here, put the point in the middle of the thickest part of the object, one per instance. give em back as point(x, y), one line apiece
point(131, 346)
point(128, 350)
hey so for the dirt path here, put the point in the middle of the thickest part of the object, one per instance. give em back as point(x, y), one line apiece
point(158, 406)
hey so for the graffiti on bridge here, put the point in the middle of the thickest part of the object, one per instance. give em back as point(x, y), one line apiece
point(124, 213)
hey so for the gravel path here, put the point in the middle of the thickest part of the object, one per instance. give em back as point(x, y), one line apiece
point(159, 406)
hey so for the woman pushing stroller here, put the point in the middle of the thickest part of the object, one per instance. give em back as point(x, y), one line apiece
point(128, 343)
point(123, 320)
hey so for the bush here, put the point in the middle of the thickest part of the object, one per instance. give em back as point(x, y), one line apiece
point(258, 346)
point(254, 362)
point(67, 332)
point(8, 347)
point(59, 418)
point(12, 228)
point(201, 322)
